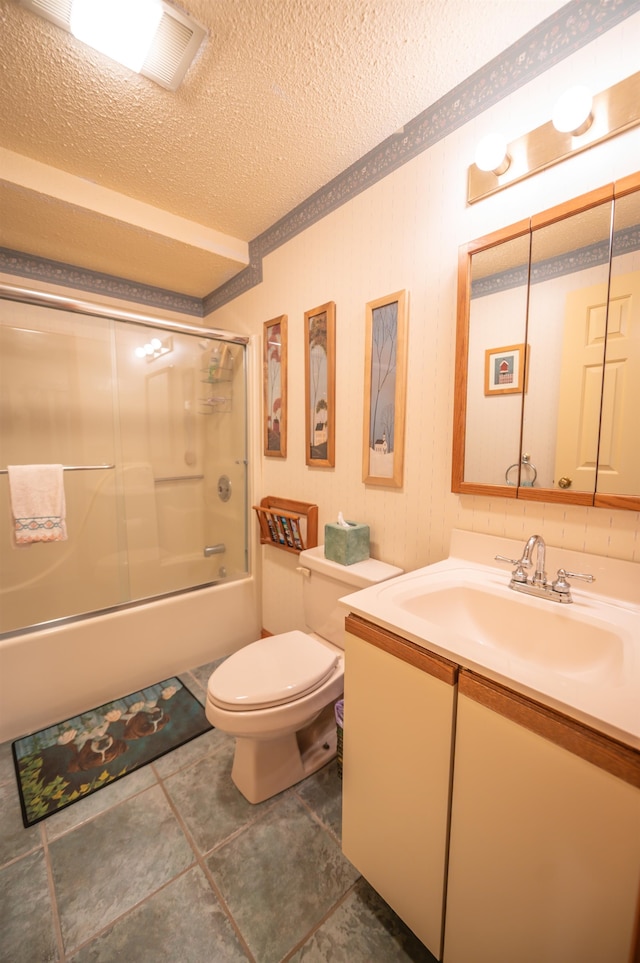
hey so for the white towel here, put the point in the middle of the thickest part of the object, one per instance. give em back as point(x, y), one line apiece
point(37, 503)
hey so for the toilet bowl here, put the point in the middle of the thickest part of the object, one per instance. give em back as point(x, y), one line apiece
point(276, 696)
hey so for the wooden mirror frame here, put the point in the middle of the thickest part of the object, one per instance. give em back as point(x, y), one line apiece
point(626, 185)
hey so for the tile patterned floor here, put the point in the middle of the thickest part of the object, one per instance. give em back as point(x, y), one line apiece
point(172, 863)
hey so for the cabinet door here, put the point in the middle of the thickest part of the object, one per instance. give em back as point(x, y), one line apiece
point(396, 777)
point(544, 861)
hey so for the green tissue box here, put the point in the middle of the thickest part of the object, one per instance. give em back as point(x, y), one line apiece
point(346, 545)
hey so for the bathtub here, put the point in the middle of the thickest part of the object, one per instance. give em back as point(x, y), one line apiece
point(53, 673)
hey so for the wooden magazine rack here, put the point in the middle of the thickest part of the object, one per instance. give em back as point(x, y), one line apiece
point(287, 524)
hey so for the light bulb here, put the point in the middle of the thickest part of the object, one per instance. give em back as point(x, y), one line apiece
point(141, 353)
point(491, 154)
point(156, 344)
point(572, 113)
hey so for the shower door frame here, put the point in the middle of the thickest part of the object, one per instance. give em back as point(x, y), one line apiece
point(69, 303)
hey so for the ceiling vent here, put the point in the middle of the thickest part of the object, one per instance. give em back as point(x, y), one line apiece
point(174, 46)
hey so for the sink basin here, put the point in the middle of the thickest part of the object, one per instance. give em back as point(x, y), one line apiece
point(546, 633)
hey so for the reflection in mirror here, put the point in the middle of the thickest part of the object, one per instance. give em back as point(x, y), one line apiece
point(619, 452)
point(495, 365)
point(566, 336)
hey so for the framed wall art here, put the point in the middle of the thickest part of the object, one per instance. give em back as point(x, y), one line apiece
point(385, 377)
point(274, 382)
point(504, 370)
point(320, 382)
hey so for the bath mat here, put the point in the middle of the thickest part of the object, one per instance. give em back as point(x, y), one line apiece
point(66, 762)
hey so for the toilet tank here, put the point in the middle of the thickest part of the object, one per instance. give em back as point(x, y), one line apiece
point(324, 582)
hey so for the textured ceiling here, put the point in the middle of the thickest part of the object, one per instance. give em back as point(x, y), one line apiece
point(283, 96)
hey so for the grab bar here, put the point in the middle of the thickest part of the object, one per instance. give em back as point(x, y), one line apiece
point(5, 471)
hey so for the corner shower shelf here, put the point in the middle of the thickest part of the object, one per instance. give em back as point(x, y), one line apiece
point(287, 524)
point(218, 372)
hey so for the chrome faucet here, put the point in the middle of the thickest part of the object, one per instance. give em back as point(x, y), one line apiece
point(558, 591)
point(539, 576)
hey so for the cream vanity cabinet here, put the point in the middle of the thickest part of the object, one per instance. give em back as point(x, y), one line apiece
point(527, 821)
point(398, 738)
point(544, 860)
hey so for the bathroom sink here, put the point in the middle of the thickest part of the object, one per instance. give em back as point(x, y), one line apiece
point(582, 658)
point(549, 634)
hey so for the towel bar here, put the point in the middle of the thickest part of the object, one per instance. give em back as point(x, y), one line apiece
point(4, 471)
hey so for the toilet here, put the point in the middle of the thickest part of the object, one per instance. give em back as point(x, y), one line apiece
point(277, 695)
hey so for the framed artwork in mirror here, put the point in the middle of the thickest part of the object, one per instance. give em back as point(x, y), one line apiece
point(385, 376)
point(274, 384)
point(504, 370)
point(320, 382)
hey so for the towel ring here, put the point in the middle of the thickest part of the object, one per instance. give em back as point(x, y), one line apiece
point(525, 460)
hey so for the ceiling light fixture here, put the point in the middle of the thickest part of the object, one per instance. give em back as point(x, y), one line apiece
point(148, 36)
point(120, 29)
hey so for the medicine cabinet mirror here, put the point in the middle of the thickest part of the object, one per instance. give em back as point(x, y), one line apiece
point(547, 392)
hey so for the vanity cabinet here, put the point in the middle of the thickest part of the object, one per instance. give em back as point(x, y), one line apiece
point(458, 790)
point(398, 739)
point(544, 860)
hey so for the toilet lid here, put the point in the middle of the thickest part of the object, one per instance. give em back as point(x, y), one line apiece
point(272, 671)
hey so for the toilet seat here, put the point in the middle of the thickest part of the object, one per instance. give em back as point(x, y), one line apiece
point(271, 672)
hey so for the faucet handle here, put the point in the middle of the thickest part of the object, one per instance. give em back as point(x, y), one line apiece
point(518, 574)
point(585, 578)
point(561, 586)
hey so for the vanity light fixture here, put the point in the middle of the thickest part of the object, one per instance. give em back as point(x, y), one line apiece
point(154, 349)
point(579, 121)
point(151, 37)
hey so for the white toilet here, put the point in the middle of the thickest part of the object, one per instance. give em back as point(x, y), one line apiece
point(277, 695)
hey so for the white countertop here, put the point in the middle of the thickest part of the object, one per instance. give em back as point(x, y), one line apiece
point(599, 687)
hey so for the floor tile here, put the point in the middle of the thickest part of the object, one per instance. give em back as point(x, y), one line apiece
point(207, 800)
point(183, 922)
point(363, 930)
point(279, 877)
point(15, 840)
point(7, 768)
point(185, 755)
point(26, 918)
point(322, 792)
point(201, 676)
point(109, 864)
point(98, 802)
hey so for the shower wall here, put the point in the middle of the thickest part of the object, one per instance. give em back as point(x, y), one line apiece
point(151, 426)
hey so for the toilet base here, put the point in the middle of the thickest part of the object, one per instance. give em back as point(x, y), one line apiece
point(264, 768)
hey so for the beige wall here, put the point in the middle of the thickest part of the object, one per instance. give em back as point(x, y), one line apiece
point(404, 233)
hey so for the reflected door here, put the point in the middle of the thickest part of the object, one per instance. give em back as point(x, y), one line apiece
point(585, 330)
point(619, 451)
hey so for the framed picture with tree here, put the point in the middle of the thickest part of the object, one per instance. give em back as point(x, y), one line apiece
point(385, 377)
point(274, 383)
point(320, 385)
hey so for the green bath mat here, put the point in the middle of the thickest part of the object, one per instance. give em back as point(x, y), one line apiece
point(61, 764)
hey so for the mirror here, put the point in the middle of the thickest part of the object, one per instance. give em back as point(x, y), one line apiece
point(618, 479)
point(546, 361)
